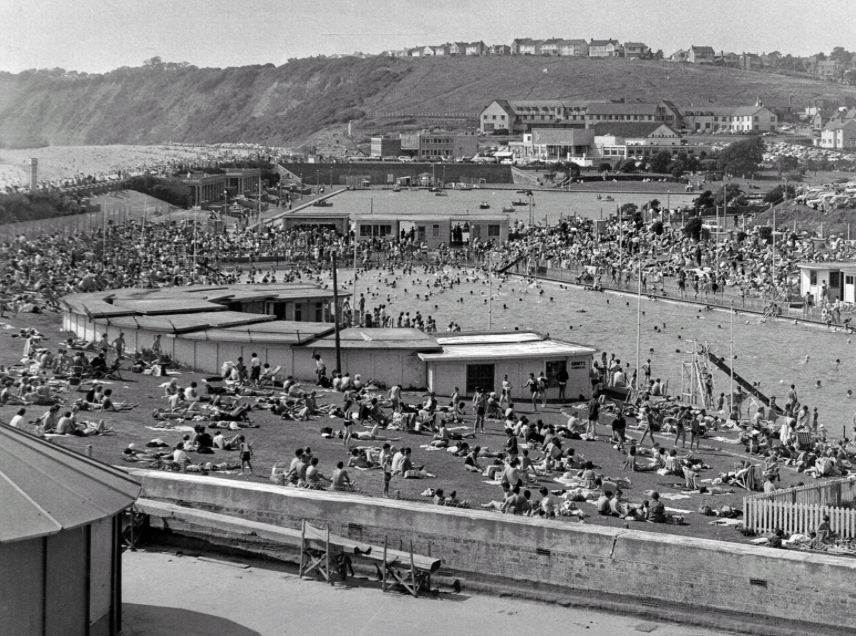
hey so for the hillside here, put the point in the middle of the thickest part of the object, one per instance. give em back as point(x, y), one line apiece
point(287, 104)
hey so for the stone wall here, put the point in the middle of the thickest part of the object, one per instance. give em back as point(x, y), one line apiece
point(312, 173)
point(726, 585)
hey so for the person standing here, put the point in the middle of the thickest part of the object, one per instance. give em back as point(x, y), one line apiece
point(532, 383)
point(681, 427)
point(543, 385)
point(695, 430)
point(479, 408)
point(562, 378)
point(593, 416)
point(104, 345)
point(320, 368)
point(505, 395)
point(119, 345)
point(246, 454)
point(255, 368)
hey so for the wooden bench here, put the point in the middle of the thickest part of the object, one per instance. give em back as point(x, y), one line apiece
point(417, 572)
point(319, 548)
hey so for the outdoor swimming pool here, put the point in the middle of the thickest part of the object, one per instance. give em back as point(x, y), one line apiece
point(771, 353)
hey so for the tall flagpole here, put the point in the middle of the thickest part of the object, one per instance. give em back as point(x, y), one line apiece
point(490, 291)
point(638, 318)
point(620, 254)
point(731, 362)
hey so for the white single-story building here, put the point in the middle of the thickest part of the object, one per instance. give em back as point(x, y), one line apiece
point(838, 278)
point(470, 361)
point(203, 327)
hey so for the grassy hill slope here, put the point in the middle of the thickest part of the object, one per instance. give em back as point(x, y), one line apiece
point(287, 104)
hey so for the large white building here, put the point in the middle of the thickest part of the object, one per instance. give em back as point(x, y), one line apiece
point(839, 135)
point(519, 116)
point(709, 119)
point(607, 141)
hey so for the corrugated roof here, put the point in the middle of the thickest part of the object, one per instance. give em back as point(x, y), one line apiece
point(181, 323)
point(538, 349)
point(156, 306)
point(45, 489)
point(631, 108)
point(562, 136)
point(378, 338)
point(273, 332)
point(488, 338)
point(848, 266)
point(631, 129)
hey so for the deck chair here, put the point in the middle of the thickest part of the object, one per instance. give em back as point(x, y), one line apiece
point(749, 477)
point(803, 439)
point(413, 578)
point(269, 377)
point(110, 373)
point(315, 551)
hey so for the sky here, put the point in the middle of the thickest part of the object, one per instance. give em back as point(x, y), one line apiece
point(101, 35)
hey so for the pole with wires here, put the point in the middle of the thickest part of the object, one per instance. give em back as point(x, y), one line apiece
point(731, 362)
point(638, 318)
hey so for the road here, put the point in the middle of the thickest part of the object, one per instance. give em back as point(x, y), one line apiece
point(165, 594)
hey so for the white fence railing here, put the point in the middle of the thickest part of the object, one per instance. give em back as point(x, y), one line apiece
point(766, 516)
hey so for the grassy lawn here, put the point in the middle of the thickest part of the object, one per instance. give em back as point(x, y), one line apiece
point(275, 441)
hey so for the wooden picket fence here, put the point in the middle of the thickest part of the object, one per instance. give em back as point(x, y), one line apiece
point(835, 492)
point(766, 516)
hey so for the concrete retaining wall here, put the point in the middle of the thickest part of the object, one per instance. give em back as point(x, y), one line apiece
point(726, 585)
point(377, 172)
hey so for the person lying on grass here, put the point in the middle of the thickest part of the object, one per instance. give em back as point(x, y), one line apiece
point(107, 403)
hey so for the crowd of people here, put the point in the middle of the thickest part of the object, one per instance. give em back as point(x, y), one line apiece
point(37, 273)
point(611, 253)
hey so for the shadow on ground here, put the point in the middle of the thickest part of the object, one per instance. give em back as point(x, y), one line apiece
point(151, 620)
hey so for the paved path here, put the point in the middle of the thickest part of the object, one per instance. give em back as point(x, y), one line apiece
point(166, 595)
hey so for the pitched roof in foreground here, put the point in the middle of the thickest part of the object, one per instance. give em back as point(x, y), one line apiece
point(45, 489)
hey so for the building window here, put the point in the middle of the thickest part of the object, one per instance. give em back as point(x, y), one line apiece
point(812, 278)
point(369, 230)
point(435, 231)
point(493, 230)
point(480, 376)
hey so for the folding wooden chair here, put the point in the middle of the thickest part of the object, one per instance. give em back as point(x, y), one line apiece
point(315, 551)
point(269, 377)
point(416, 577)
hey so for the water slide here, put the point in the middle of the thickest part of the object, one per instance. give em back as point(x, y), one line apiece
point(752, 390)
point(504, 267)
point(524, 177)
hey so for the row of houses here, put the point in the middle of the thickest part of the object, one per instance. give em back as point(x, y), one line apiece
point(839, 130)
point(529, 46)
point(521, 116)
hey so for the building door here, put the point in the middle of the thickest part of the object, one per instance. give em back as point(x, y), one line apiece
point(834, 286)
point(849, 289)
point(553, 368)
point(480, 376)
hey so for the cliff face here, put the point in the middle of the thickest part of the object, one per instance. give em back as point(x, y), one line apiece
point(154, 105)
point(287, 104)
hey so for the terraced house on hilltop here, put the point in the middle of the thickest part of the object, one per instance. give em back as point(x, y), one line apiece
point(604, 48)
